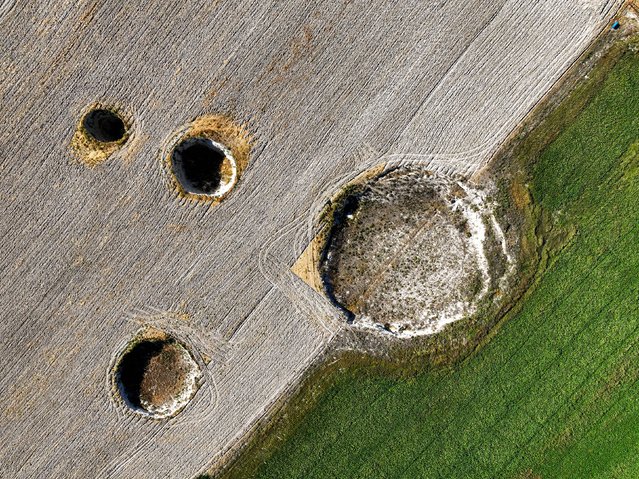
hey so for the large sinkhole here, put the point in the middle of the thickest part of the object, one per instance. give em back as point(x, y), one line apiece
point(104, 125)
point(199, 165)
point(409, 251)
point(157, 376)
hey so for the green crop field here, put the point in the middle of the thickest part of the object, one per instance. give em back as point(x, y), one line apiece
point(555, 391)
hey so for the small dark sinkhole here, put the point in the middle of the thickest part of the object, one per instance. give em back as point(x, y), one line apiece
point(197, 164)
point(104, 125)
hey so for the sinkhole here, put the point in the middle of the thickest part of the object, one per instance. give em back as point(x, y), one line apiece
point(157, 376)
point(199, 165)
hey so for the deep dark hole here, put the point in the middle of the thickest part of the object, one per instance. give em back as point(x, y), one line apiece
point(348, 206)
point(351, 203)
point(104, 125)
point(133, 366)
point(197, 164)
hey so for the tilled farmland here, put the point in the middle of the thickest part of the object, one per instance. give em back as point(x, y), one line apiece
point(101, 245)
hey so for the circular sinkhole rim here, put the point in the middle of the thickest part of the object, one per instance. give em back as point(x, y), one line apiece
point(186, 186)
point(90, 151)
point(192, 381)
point(228, 134)
point(104, 113)
point(335, 215)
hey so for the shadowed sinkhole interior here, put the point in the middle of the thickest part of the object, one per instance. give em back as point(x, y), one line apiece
point(104, 125)
point(153, 373)
point(197, 164)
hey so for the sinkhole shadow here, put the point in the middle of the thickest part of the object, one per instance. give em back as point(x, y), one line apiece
point(104, 125)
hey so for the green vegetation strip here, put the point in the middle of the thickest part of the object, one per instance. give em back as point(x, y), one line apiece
point(555, 392)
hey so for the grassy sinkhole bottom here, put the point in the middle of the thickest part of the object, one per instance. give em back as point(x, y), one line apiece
point(408, 252)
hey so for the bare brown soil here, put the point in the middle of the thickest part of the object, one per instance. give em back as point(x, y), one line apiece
point(164, 377)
